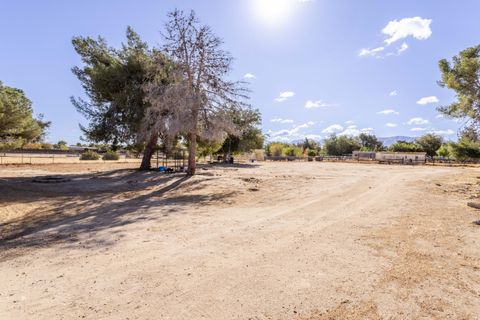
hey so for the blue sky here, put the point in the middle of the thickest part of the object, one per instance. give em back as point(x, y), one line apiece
point(315, 67)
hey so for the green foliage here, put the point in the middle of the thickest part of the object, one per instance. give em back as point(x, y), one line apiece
point(470, 133)
point(404, 146)
point(61, 145)
point(341, 145)
point(310, 145)
point(113, 79)
point(17, 123)
point(32, 146)
point(275, 149)
point(430, 143)
point(111, 156)
point(312, 153)
point(90, 155)
point(444, 151)
point(370, 142)
point(292, 151)
point(250, 137)
point(463, 76)
point(465, 150)
point(207, 148)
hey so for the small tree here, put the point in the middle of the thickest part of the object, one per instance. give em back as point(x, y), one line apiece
point(430, 143)
point(275, 149)
point(341, 145)
point(370, 142)
point(444, 151)
point(250, 137)
point(292, 151)
point(61, 145)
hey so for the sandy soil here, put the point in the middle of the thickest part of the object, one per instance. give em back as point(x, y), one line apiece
point(301, 241)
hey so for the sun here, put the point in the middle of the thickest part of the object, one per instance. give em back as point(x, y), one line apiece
point(273, 12)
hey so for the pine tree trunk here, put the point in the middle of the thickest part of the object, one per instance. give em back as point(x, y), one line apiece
point(148, 153)
point(192, 149)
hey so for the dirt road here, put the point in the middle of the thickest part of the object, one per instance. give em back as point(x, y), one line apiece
point(273, 241)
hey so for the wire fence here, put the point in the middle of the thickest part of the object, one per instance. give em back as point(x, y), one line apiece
point(53, 158)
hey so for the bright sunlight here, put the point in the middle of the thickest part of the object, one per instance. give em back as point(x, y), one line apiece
point(273, 12)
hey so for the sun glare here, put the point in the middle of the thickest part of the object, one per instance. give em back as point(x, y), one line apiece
point(273, 12)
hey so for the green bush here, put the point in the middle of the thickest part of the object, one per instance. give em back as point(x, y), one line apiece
point(292, 151)
point(90, 155)
point(312, 153)
point(111, 156)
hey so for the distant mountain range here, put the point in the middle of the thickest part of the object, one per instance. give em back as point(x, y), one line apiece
point(388, 141)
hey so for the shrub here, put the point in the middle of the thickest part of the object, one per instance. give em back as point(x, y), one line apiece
point(444, 151)
point(292, 151)
point(275, 149)
point(32, 146)
point(111, 156)
point(465, 150)
point(47, 146)
point(90, 155)
point(312, 153)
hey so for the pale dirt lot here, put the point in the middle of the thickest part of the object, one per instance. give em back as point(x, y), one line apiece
point(296, 241)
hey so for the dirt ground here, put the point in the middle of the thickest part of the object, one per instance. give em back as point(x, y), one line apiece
point(302, 241)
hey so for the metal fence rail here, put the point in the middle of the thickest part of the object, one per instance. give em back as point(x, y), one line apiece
point(54, 158)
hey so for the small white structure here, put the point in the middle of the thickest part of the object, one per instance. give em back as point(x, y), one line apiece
point(364, 155)
point(401, 157)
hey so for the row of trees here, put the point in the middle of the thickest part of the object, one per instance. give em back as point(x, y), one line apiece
point(307, 148)
point(468, 146)
point(160, 97)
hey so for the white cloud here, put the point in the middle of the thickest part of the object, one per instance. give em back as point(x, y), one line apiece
point(286, 135)
point(349, 122)
point(249, 76)
point(334, 128)
point(316, 104)
point(388, 111)
point(399, 51)
point(418, 129)
point(316, 137)
point(370, 52)
point(440, 116)
point(396, 30)
point(305, 1)
point(284, 96)
point(280, 120)
point(418, 121)
point(402, 48)
point(427, 100)
point(416, 27)
point(354, 131)
point(391, 125)
point(448, 132)
point(394, 93)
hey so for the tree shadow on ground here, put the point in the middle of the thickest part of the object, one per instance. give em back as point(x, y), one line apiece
point(90, 203)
